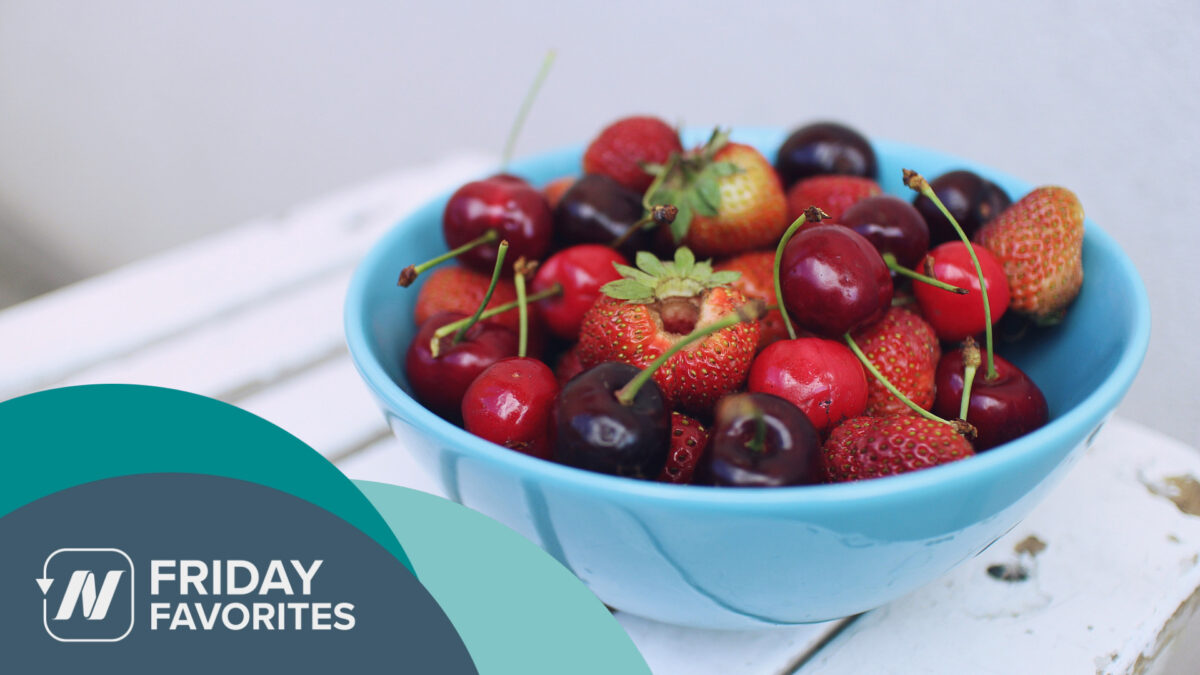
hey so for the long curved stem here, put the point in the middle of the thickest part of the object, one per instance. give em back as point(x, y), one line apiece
point(487, 297)
point(787, 234)
point(917, 182)
point(523, 112)
point(453, 326)
point(888, 385)
point(894, 265)
point(750, 311)
point(409, 274)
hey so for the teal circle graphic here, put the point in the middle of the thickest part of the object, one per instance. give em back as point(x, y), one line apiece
point(504, 595)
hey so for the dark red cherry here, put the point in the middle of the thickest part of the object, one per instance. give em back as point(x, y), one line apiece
point(970, 198)
point(509, 404)
point(822, 378)
point(892, 225)
point(760, 440)
point(514, 209)
point(595, 431)
point(1001, 409)
point(954, 317)
point(596, 209)
point(439, 383)
point(580, 271)
point(833, 280)
point(825, 148)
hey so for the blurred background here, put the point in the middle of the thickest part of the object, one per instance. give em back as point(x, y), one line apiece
point(128, 127)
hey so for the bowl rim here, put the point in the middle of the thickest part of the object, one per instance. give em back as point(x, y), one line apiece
point(1085, 415)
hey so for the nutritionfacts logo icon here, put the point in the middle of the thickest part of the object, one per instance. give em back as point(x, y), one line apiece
point(88, 594)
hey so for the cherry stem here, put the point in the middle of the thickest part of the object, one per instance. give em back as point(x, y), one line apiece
point(449, 328)
point(888, 385)
point(815, 213)
point(520, 270)
point(523, 112)
point(658, 181)
point(918, 183)
point(409, 274)
point(487, 297)
point(758, 444)
point(750, 311)
point(970, 365)
point(894, 265)
point(658, 215)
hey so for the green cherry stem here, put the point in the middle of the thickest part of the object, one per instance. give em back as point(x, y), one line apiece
point(758, 444)
point(750, 311)
point(970, 365)
point(523, 112)
point(959, 426)
point(520, 269)
point(409, 274)
point(894, 265)
point(918, 183)
point(449, 328)
point(811, 212)
point(658, 215)
point(487, 297)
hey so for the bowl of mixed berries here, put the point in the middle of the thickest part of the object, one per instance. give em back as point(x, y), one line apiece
point(749, 377)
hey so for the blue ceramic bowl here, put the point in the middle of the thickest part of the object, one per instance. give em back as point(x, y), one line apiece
point(740, 558)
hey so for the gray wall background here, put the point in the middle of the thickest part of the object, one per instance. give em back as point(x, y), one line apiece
point(129, 126)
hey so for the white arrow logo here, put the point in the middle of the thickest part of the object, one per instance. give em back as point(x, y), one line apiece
point(81, 591)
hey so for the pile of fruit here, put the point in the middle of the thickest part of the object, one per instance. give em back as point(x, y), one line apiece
point(707, 316)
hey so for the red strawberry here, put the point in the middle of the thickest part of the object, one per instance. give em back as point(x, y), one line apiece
point(831, 194)
point(459, 289)
point(1039, 241)
point(688, 438)
point(729, 198)
point(652, 308)
point(758, 281)
point(905, 349)
point(622, 147)
point(870, 447)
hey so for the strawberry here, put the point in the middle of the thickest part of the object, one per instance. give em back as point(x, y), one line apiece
point(625, 145)
point(905, 349)
point(729, 198)
point(757, 280)
point(1039, 241)
point(831, 194)
point(688, 438)
point(870, 447)
point(643, 314)
point(460, 289)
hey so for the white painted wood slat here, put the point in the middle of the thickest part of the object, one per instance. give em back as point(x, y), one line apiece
point(117, 313)
point(1120, 560)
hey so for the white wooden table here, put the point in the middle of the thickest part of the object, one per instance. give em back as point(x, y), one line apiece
point(253, 317)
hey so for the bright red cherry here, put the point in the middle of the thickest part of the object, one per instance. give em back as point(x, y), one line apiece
point(515, 210)
point(833, 280)
point(580, 271)
point(955, 317)
point(1001, 409)
point(440, 382)
point(822, 378)
point(509, 404)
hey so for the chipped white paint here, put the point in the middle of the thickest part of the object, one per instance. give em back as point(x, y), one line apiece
point(253, 316)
